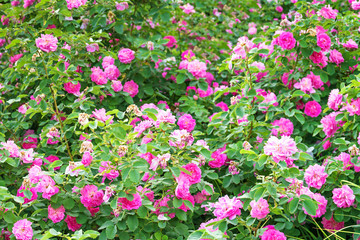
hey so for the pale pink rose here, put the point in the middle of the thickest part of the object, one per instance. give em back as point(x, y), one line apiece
point(47, 43)
point(122, 6)
point(116, 86)
point(126, 55)
point(22, 230)
point(259, 209)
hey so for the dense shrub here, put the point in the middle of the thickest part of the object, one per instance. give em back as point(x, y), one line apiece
point(179, 119)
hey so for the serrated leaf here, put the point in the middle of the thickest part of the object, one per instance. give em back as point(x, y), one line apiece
point(310, 206)
point(111, 231)
point(180, 78)
point(132, 222)
point(293, 205)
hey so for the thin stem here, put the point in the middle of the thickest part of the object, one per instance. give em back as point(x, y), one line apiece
point(61, 123)
point(9, 130)
point(252, 103)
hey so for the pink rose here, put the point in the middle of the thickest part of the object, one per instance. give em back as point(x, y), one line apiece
point(286, 40)
point(132, 88)
point(126, 55)
point(312, 109)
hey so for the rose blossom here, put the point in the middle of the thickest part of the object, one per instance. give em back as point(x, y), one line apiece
point(323, 41)
point(286, 127)
point(259, 209)
point(122, 6)
point(331, 224)
point(116, 86)
point(56, 214)
point(186, 122)
point(112, 72)
point(272, 234)
point(195, 173)
point(107, 61)
point(227, 207)
point(280, 149)
point(343, 197)
point(126, 55)
point(47, 43)
point(72, 224)
point(91, 197)
point(133, 204)
point(336, 57)
point(315, 176)
point(286, 40)
point(132, 88)
point(312, 109)
point(22, 230)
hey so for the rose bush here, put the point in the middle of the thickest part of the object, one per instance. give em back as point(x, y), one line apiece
point(179, 119)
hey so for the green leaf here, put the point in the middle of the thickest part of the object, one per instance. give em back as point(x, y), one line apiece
point(300, 118)
point(197, 235)
point(175, 171)
point(303, 44)
point(258, 40)
point(111, 231)
point(206, 153)
point(40, 4)
point(271, 189)
point(106, 224)
point(134, 175)
point(119, 132)
point(13, 43)
point(142, 211)
point(132, 222)
point(208, 189)
point(212, 175)
point(298, 93)
point(55, 164)
point(149, 90)
point(310, 206)
point(264, 51)
point(165, 16)
point(324, 77)
point(28, 194)
point(339, 117)
point(69, 203)
point(180, 78)
point(330, 69)
point(91, 233)
point(177, 202)
point(339, 141)
point(180, 214)
point(119, 27)
point(62, 67)
point(203, 85)
point(293, 205)
point(301, 217)
point(9, 217)
point(262, 159)
point(259, 193)
point(65, 12)
point(306, 52)
point(123, 236)
point(305, 156)
point(93, 124)
point(250, 221)
point(189, 205)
